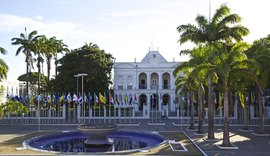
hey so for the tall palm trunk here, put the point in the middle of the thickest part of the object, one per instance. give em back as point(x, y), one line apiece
point(56, 63)
point(230, 95)
point(191, 99)
point(245, 114)
point(200, 110)
point(48, 67)
point(211, 134)
point(226, 138)
point(27, 73)
point(261, 111)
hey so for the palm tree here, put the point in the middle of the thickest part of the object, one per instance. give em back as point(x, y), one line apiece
point(90, 46)
point(3, 65)
point(40, 48)
point(26, 43)
point(221, 28)
point(60, 48)
point(229, 65)
point(49, 53)
point(260, 51)
point(185, 84)
point(197, 76)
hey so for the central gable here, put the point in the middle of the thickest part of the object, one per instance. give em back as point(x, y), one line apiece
point(154, 57)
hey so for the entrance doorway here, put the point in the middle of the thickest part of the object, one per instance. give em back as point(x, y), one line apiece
point(142, 101)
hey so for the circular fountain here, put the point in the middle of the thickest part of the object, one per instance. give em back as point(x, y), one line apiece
point(92, 138)
point(97, 135)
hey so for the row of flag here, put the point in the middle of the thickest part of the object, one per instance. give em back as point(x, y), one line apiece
point(78, 99)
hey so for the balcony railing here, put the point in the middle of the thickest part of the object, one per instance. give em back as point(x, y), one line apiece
point(142, 86)
point(166, 87)
point(154, 86)
point(120, 87)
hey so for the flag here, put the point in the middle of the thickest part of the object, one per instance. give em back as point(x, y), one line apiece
point(32, 100)
point(49, 100)
point(122, 99)
point(126, 99)
point(69, 98)
point(130, 99)
point(79, 98)
point(110, 98)
point(90, 99)
point(85, 98)
point(61, 99)
point(116, 98)
point(54, 99)
point(95, 98)
point(74, 98)
point(102, 98)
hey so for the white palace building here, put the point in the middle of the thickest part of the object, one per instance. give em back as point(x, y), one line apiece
point(150, 82)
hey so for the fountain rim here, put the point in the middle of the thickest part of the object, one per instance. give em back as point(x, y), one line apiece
point(26, 145)
point(107, 127)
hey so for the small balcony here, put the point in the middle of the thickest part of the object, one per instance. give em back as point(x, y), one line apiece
point(129, 87)
point(154, 86)
point(166, 87)
point(120, 87)
point(142, 86)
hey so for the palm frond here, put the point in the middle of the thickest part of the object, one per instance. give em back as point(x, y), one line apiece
point(222, 11)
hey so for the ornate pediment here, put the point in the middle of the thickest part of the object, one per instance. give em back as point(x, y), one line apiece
point(153, 57)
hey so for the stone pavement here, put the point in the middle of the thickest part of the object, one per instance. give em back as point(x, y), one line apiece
point(247, 143)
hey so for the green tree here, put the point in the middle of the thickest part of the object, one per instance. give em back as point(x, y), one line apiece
point(27, 44)
point(260, 51)
point(221, 28)
point(13, 107)
point(33, 80)
point(92, 61)
point(186, 85)
point(3, 65)
point(231, 64)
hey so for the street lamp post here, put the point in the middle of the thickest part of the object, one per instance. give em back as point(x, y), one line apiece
point(77, 82)
point(81, 75)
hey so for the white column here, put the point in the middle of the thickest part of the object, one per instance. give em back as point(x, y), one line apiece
point(148, 80)
point(149, 100)
point(171, 81)
point(160, 80)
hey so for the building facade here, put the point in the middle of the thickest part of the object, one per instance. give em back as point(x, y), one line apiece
point(11, 88)
point(146, 83)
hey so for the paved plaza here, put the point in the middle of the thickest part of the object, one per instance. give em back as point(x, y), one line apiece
point(247, 143)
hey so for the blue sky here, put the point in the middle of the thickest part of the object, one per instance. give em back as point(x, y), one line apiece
point(124, 28)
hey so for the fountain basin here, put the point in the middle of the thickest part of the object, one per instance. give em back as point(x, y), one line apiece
point(123, 141)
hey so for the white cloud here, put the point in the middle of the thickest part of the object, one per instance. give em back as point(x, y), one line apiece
point(39, 17)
